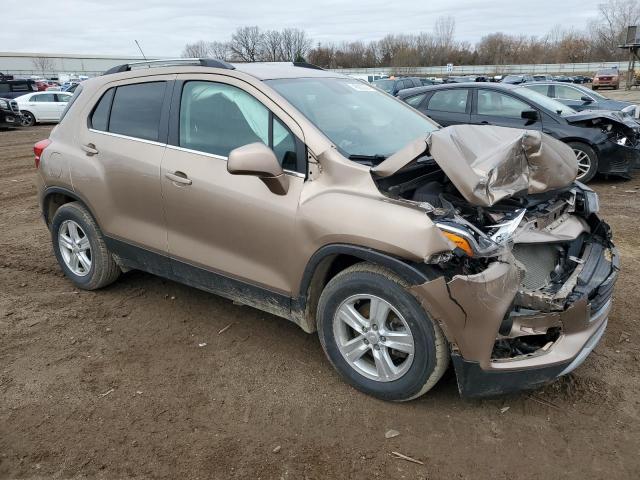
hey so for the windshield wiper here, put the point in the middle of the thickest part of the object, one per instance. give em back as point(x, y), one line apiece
point(368, 159)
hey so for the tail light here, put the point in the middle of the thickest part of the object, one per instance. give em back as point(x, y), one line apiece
point(38, 148)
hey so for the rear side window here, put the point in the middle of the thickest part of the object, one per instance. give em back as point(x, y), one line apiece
point(136, 110)
point(543, 89)
point(454, 100)
point(100, 116)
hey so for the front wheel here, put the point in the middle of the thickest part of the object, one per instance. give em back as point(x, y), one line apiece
point(587, 161)
point(377, 335)
point(28, 119)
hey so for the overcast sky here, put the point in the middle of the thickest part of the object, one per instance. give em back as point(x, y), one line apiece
point(164, 26)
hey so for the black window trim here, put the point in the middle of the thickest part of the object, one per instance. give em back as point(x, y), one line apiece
point(173, 136)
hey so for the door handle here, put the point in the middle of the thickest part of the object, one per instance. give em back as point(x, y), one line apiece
point(484, 122)
point(178, 177)
point(89, 149)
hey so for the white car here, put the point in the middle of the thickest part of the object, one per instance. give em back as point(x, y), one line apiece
point(42, 106)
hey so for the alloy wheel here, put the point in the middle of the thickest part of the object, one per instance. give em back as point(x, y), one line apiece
point(584, 163)
point(75, 248)
point(373, 337)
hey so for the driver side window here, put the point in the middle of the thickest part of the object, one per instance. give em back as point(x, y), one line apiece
point(500, 105)
point(217, 118)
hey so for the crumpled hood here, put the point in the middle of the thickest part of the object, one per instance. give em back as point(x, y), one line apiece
point(619, 117)
point(488, 163)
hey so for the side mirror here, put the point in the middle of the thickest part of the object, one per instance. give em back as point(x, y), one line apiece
point(530, 115)
point(586, 99)
point(259, 160)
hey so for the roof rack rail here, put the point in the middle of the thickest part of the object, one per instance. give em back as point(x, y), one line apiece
point(307, 65)
point(168, 62)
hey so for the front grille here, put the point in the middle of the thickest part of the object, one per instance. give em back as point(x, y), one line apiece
point(538, 262)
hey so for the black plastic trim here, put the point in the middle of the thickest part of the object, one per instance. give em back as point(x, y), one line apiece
point(474, 382)
point(65, 191)
point(406, 270)
point(161, 264)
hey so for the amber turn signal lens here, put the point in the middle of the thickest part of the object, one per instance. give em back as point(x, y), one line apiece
point(460, 242)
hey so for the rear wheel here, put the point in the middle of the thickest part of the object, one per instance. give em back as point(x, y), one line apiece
point(80, 248)
point(587, 161)
point(28, 119)
point(377, 335)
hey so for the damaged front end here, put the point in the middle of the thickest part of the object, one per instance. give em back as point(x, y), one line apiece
point(524, 292)
point(619, 145)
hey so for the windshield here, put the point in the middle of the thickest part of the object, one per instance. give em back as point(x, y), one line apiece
point(386, 85)
point(357, 118)
point(545, 102)
point(607, 71)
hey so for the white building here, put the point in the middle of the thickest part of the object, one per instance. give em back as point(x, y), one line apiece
point(54, 64)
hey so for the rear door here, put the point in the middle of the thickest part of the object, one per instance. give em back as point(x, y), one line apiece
point(117, 167)
point(493, 107)
point(450, 106)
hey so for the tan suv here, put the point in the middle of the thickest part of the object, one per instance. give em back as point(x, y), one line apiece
point(320, 199)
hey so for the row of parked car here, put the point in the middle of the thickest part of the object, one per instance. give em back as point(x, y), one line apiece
point(24, 103)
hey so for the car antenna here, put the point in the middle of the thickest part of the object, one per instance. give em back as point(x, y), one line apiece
point(140, 48)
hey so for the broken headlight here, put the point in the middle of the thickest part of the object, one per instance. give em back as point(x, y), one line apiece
point(587, 200)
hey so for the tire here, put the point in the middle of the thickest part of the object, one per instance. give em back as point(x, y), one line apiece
point(28, 119)
point(412, 374)
point(588, 158)
point(101, 269)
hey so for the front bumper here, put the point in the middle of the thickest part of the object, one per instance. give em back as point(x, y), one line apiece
point(474, 381)
point(472, 310)
point(614, 159)
point(10, 119)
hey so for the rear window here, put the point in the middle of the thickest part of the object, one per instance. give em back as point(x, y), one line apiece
point(136, 110)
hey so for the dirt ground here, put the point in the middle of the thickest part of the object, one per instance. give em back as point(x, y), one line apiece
point(114, 383)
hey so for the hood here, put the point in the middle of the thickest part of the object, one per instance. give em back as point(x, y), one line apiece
point(487, 163)
point(605, 115)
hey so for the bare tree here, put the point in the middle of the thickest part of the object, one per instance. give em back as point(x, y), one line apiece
point(272, 46)
point(609, 28)
point(246, 43)
point(220, 50)
point(199, 49)
point(295, 44)
point(43, 64)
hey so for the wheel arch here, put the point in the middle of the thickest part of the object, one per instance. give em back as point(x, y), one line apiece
point(54, 197)
point(330, 260)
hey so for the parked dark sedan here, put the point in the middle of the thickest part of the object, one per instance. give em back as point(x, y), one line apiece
point(517, 79)
point(581, 98)
point(605, 142)
point(393, 85)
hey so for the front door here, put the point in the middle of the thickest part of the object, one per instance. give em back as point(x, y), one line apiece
point(225, 230)
point(498, 108)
